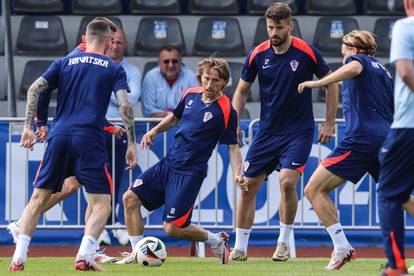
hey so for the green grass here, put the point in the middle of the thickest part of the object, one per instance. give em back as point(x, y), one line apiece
point(209, 266)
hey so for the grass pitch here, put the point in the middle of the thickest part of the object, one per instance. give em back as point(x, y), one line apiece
point(208, 266)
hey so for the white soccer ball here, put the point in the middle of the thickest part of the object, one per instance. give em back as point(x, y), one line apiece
point(150, 251)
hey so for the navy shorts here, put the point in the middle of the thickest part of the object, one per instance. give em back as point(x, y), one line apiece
point(396, 156)
point(79, 156)
point(354, 157)
point(161, 184)
point(275, 152)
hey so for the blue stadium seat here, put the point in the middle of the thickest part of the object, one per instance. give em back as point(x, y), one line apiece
point(261, 31)
point(321, 91)
point(41, 35)
point(260, 6)
point(213, 7)
point(98, 7)
point(383, 31)
point(154, 7)
point(84, 22)
point(384, 7)
point(323, 7)
point(38, 6)
point(32, 70)
point(329, 32)
point(156, 32)
point(218, 35)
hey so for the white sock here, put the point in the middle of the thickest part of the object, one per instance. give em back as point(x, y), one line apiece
point(284, 234)
point(242, 239)
point(22, 247)
point(213, 239)
point(134, 240)
point(88, 246)
point(338, 237)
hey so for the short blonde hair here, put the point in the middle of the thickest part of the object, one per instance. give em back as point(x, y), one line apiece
point(219, 64)
point(364, 41)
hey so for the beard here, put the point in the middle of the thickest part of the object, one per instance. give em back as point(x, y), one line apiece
point(279, 41)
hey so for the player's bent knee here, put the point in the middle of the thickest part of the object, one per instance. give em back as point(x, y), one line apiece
point(130, 200)
point(309, 192)
point(171, 230)
point(70, 186)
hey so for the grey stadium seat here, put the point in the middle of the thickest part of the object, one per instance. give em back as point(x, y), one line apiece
point(41, 35)
point(260, 6)
point(148, 66)
point(235, 72)
point(384, 7)
point(98, 7)
point(38, 6)
point(1, 36)
point(84, 22)
point(156, 32)
point(329, 32)
point(32, 70)
point(218, 35)
point(213, 7)
point(154, 7)
point(324, 7)
point(321, 91)
point(383, 31)
point(261, 31)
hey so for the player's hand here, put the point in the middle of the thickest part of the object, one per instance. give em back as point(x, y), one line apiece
point(326, 132)
point(131, 157)
point(241, 182)
point(28, 139)
point(308, 84)
point(147, 139)
point(42, 133)
point(119, 131)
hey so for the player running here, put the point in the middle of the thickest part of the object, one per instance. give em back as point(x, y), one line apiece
point(76, 144)
point(368, 107)
point(285, 137)
point(204, 117)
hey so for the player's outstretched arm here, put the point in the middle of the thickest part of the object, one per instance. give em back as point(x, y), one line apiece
point(239, 101)
point(28, 138)
point(127, 115)
point(166, 123)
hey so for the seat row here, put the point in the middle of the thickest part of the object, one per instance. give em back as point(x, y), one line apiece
point(223, 36)
point(214, 7)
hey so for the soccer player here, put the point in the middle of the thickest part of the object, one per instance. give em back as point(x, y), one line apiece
point(204, 117)
point(285, 136)
point(367, 93)
point(396, 156)
point(76, 145)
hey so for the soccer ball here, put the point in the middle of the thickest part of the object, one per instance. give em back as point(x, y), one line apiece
point(150, 251)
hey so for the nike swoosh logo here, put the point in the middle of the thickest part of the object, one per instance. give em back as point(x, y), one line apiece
point(168, 216)
point(267, 66)
point(296, 164)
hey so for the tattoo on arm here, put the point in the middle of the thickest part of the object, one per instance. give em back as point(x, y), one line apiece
point(127, 114)
point(32, 96)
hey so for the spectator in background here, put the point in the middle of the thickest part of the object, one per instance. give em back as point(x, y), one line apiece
point(116, 52)
point(164, 85)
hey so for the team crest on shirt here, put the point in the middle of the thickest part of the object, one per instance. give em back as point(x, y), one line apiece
point(190, 102)
point(137, 183)
point(246, 166)
point(294, 65)
point(266, 61)
point(207, 116)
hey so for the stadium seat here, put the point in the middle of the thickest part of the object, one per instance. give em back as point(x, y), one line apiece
point(323, 7)
point(221, 36)
point(384, 7)
point(32, 70)
point(260, 6)
point(235, 72)
point(383, 31)
point(154, 7)
point(98, 7)
point(261, 31)
point(1, 36)
point(84, 22)
point(213, 7)
point(156, 32)
point(41, 35)
point(321, 91)
point(329, 33)
point(245, 114)
point(38, 6)
point(147, 67)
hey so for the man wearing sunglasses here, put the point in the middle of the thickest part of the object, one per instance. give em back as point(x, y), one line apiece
point(163, 86)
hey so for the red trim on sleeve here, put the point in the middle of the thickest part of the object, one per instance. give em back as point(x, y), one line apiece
point(195, 89)
point(181, 221)
point(333, 160)
point(224, 103)
point(399, 261)
point(109, 178)
point(82, 47)
point(38, 172)
point(304, 47)
point(259, 48)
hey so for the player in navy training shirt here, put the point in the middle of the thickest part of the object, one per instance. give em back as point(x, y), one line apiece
point(285, 135)
point(367, 93)
point(76, 144)
point(205, 117)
